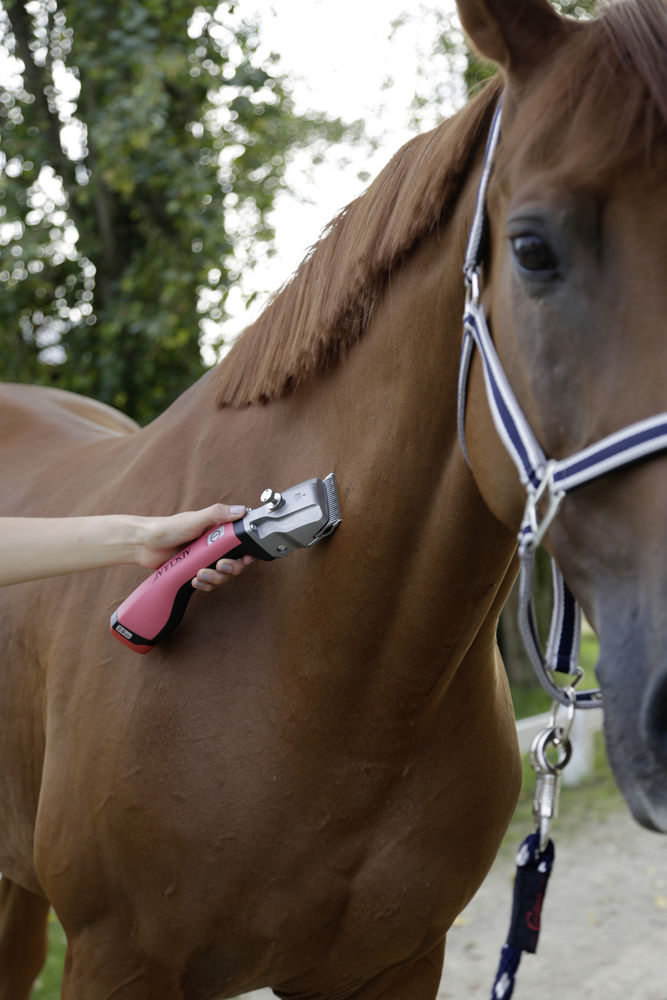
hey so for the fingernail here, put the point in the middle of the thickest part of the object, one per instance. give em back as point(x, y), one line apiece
point(236, 510)
point(205, 576)
point(224, 567)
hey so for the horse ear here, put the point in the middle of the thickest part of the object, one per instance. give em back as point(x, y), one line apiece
point(516, 34)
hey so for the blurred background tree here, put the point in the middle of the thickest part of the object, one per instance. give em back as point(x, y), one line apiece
point(142, 145)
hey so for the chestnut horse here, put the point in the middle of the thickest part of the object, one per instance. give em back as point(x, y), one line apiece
point(309, 780)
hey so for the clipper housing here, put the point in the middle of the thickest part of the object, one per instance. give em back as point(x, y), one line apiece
point(299, 517)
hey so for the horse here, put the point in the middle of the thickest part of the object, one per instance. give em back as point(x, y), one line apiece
point(306, 783)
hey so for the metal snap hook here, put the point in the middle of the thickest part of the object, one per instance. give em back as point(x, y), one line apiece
point(548, 775)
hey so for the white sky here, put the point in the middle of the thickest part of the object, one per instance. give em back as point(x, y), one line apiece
point(337, 55)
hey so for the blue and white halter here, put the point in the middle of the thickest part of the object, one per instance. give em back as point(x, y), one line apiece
point(547, 482)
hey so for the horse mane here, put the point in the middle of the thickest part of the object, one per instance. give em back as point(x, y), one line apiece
point(327, 304)
point(606, 92)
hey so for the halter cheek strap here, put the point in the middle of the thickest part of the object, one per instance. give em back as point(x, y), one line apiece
point(546, 481)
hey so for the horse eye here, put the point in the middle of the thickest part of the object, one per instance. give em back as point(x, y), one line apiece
point(532, 253)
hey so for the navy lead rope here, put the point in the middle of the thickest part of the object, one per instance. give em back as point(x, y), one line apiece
point(533, 868)
point(535, 857)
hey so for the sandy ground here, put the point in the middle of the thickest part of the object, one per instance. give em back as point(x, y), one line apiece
point(604, 924)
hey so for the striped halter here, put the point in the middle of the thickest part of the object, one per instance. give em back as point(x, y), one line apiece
point(547, 482)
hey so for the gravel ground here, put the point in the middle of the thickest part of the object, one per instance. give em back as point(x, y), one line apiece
point(604, 923)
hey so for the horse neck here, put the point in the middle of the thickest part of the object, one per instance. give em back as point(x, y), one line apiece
point(430, 561)
point(416, 569)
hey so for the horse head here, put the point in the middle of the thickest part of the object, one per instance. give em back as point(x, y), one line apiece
point(574, 292)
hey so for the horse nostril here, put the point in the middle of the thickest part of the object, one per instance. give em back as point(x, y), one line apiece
point(654, 717)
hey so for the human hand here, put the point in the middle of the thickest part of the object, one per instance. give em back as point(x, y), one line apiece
point(163, 537)
point(207, 579)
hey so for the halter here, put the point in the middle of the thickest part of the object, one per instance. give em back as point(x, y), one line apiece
point(546, 481)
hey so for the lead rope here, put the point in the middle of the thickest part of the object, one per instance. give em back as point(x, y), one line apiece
point(535, 857)
point(533, 868)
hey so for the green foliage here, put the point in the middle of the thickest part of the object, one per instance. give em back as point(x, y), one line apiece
point(137, 136)
point(47, 984)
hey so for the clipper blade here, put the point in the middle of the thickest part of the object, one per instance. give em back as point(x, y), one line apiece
point(333, 505)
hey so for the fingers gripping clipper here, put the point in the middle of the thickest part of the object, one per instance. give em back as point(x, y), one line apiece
point(300, 516)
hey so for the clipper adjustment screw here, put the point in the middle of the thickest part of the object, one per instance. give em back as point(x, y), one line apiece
point(272, 499)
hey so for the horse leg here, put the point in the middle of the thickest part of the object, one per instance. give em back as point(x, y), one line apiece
point(418, 979)
point(23, 923)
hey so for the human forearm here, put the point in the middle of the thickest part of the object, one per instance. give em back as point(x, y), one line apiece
point(34, 547)
point(31, 548)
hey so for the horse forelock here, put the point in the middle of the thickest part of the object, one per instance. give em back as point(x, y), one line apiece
point(637, 30)
point(328, 303)
point(602, 102)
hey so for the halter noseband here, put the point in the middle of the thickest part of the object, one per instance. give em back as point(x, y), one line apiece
point(546, 481)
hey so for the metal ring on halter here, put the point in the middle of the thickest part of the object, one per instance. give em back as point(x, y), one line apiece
point(538, 757)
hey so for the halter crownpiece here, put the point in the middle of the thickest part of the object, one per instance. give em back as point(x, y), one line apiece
point(547, 482)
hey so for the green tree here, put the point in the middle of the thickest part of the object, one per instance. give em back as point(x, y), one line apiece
point(137, 139)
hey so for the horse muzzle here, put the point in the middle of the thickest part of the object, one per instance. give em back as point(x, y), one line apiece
point(633, 674)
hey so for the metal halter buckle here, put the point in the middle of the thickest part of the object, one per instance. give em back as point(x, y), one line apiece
point(533, 529)
point(472, 285)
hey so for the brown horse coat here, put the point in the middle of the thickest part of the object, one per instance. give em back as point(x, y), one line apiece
point(309, 780)
point(304, 786)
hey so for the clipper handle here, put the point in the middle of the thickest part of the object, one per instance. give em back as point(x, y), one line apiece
point(157, 605)
point(299, 517)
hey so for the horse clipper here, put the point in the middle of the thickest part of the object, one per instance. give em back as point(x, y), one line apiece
point(297, 518)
